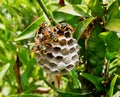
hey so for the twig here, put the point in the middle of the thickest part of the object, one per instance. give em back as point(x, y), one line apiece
point(48, 14)
point(62, 2)
point(17, 74)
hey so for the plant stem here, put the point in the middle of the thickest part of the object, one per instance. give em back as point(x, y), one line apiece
point(17, 74)
point(48, 14)
point(49, 84)
point(65, 93)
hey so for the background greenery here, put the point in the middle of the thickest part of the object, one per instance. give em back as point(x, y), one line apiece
point(97, 29)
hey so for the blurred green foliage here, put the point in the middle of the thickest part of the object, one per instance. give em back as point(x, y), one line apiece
point(97, 28)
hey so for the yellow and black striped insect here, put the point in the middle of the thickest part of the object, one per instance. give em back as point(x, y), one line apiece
point(65, 26)
point(52, 35)
point(41, 29)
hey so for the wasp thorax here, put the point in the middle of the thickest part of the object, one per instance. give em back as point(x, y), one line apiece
point(55, 48)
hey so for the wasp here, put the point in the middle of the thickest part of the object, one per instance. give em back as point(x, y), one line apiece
point(65, 26)
point(38, 47)
point(52, 35)
point(41, 28)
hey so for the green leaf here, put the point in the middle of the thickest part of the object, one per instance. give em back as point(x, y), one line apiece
point(93, 79)
point(4, 26)
point(30, 30)
point(26, 95)
point(30, 88)
point(111, 40)
point(115, 63)
point(77, 1)
point(112, 86)
point(111, 55)
point(3, 51)
point(28, 72)
point(113, 10)
point(113, 25)
point(81, 27)
point(76, 10)
point(95, 7)
point(7, 50)
point(75, 79)
point(72, 94)
point(113, 66)
point(73, 21)
point(3, 70)
point(59, 16)
point(66, 94)
point(23, 55)
point(41, 73)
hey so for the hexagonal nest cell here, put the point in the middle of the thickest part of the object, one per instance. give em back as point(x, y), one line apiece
point(55, 49)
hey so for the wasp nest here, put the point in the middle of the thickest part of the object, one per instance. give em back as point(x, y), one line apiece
point(55, 48)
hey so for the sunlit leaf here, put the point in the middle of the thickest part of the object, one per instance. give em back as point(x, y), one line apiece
point(73, 10)
point(2, 26)
point(117, 94)
point(95, 7)
point(30, 30)
point(113, 65)
point(93, 79)
point(111, 40)
point(81, 27)
point(113, 10)
point(3, 71)
point(113, 25)
point(112, 86)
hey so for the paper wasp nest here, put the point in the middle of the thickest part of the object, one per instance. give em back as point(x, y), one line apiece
point(55, 49)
